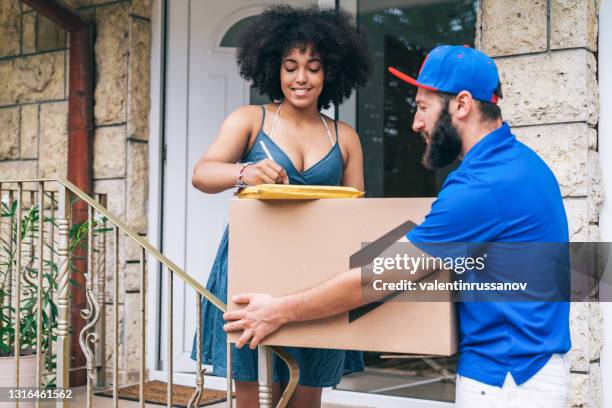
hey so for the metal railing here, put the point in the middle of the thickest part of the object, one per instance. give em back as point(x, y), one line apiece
point(62, 223)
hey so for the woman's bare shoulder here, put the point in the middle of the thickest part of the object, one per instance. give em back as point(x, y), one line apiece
point(347, 135)
point(247, 115)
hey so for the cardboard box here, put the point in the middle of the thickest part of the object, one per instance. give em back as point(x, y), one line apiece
point(281, 247)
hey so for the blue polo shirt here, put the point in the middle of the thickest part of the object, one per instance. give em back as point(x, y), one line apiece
point(501, 192)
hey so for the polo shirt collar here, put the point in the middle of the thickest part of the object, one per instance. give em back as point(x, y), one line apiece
point(489, 142)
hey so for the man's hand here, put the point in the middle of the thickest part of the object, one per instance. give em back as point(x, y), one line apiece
point(261, 317)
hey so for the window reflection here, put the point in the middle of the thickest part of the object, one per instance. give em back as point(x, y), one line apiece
point(400, 33)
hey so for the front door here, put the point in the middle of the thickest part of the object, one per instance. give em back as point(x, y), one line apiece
point(202, 87)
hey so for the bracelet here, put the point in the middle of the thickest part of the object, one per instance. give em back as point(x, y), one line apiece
point(239, 181)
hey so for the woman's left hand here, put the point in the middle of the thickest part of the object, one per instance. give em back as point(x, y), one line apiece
point(261, 317)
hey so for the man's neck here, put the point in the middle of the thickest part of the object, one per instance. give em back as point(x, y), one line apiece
point(476, 132)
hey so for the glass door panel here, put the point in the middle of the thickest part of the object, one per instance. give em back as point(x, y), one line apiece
point(400, 33)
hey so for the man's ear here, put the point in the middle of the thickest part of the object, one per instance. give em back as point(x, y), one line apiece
point(464, 104)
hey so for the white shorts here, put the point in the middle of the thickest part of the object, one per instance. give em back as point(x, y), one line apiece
point(548, 388)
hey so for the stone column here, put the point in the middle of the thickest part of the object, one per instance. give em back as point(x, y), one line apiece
point(545, 53)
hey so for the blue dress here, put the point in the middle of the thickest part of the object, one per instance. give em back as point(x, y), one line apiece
point(318, 367)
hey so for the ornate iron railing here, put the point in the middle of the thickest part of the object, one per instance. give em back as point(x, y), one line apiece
point(51, 237)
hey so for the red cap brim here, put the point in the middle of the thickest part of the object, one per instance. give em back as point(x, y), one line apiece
point(410, 80)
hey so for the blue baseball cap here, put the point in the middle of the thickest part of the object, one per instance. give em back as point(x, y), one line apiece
point(456, 68)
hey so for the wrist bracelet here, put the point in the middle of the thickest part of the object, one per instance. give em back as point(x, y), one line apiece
point(239, 181)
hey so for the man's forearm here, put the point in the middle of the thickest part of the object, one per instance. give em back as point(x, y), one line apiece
point(345, 291)
point(333, 296)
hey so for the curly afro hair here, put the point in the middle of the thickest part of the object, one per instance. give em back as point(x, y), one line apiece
point(331, 33)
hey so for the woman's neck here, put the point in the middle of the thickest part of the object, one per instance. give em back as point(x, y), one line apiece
point(299, 115)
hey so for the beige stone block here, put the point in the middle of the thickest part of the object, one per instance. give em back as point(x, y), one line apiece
point(9, 133)
point(132, 277)
point(29, 33)
point(139, 103)
point(579, 390)
point(124, 378)
point(133, 249)
point(111, 64)
point(596, 187)
point(137, 186)
point(134, 322)
point(527, 18)
point(115, 196)
point(595, 386)
point(549, 88)
point(50, 36)
point(594, 233)
point(577, 218)
point(573, 23)
point(593, 140)
point(53, 144)
point(109, 152)
point(109, 275)
point(141, 8)
point(29, 132)
point(579, 331)
point(564, 148)
point(110, 337)
point(33, 78)
point(596, 334)
point(10, 27)
point(18, 169)
point(592, 90)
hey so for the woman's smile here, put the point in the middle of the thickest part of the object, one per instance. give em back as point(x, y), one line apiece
point(300, 90)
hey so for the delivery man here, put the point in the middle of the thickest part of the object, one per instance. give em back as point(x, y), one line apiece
point(512, 353)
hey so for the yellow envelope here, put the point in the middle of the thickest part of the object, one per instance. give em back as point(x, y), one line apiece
point(297, 192)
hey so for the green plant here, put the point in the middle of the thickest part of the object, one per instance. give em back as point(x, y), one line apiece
point(28, 230)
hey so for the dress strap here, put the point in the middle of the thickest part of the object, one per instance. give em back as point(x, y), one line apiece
point(328, 132)
point(275, 121)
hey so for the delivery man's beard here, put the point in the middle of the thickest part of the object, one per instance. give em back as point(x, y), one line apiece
point(445, 143)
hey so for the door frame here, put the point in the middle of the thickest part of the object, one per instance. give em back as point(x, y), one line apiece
point(159, 36)
point(156, 149)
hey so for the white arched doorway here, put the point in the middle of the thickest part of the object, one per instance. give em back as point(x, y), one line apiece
point(202, 86)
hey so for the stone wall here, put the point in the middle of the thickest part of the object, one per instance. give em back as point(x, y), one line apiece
point(33, 116)
point(545, 51)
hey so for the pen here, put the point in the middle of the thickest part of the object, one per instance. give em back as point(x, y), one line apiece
point(265, 149)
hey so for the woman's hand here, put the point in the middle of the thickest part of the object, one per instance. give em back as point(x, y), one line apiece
point(265, 172)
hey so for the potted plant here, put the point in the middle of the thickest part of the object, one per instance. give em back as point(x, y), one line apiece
point(28, 228)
